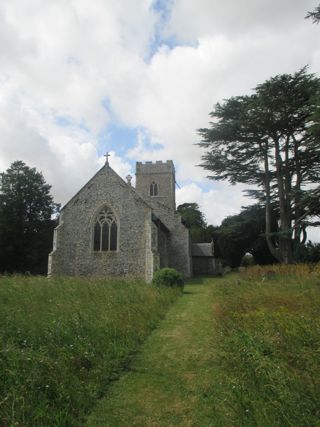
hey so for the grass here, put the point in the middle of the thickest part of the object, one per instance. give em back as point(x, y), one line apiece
point(243, 350)
point(267, 325)
point(63, 341)
point(169, 379)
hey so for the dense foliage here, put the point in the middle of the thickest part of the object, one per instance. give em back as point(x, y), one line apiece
point(315, 15)
point(26, 224)
point(191, 215)
point(194, 219)
point(168, 277)
point(64, 340)
point(269, 139)
point(308, 253)
point(237, 234)
point(242, 233)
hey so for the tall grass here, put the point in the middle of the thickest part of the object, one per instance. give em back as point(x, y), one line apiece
point(267, 326)
point(64, 340)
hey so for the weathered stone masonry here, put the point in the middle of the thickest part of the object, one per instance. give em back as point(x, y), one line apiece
point(150, 234)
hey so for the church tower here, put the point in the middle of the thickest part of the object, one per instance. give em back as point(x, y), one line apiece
point(156, 182)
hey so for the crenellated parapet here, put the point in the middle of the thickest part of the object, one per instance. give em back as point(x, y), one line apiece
point(155, 182)
point(155, 167)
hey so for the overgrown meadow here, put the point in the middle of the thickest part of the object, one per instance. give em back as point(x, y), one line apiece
point(64, 340)
point(267, 347)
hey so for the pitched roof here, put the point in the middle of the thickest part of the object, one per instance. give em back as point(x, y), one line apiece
point(202, 249)
point(159, 223)
point(107, 166)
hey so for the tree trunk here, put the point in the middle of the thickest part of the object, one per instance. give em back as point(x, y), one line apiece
point(270, 244)
point(299, 227)
point(285, 240)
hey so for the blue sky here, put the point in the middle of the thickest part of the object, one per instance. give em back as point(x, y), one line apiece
point(137, 78)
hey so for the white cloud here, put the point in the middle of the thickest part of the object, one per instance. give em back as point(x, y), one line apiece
point(224, 200)
point(191, 20)
point(120, 166)
point(69, 69)
point(58, 62)
point(216, 204)
point(181, 86)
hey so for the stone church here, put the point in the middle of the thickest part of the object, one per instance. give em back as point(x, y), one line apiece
point(110, 228)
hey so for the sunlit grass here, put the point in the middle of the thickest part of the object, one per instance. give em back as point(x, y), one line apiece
point(64, 340)
point(283, 272)
point(241, 350)
point(267, 326)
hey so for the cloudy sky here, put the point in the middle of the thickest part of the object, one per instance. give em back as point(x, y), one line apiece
point(137, 78)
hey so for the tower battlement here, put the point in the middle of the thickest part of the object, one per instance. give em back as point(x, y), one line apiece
point(155, 181)
point(155, 167)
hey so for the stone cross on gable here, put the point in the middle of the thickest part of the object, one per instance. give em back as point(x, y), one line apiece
point(107, 155)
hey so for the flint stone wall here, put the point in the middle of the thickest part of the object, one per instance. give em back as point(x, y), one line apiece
point(177, 253)
point(73, 249)
point(178, 243)
point(143, 246)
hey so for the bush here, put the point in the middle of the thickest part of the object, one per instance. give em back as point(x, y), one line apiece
point(308, 253)
point(247, 260)
point(168, 277)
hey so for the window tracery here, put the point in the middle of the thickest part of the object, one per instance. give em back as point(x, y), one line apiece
point(105, 231)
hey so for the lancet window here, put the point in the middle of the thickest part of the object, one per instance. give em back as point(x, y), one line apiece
point(153, 189)
point(105, 231)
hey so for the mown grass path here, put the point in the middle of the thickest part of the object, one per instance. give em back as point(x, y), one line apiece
point(170, 378)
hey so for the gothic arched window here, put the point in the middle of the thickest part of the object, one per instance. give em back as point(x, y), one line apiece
point(153, 189)
point(105, 231)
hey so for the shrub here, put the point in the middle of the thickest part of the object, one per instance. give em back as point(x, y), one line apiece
point(247, 260)
point(307, 253)
point(168, 277)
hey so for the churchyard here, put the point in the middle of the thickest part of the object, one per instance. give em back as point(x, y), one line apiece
point(63, 341)
point(238, 350)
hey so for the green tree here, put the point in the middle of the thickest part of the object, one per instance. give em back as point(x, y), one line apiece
point(314, 15)
point(242, 233)
point(194, 219)
point(191, 215)
point(264, 139)
point(26, 224)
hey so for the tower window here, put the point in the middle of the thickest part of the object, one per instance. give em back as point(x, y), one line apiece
point(105, 231)
point(153, 189)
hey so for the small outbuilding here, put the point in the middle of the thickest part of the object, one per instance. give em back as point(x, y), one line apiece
point(203, 260)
